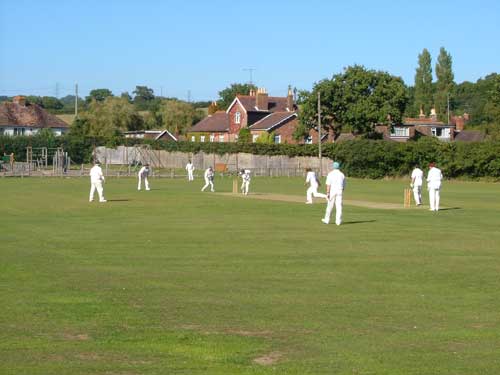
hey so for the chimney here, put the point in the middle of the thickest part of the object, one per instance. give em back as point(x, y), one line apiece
point(459, 123)
point(252, 92)
point(261, 100)
point(21, 100)
point(421, 114)
point(289, 100)
point(433, 114)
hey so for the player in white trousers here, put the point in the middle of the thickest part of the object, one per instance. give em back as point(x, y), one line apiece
point(335, 184)
point(143, 175)
point(434, 178)
point(417, 177)
point(245, 184)
point(96, 181)
point(190, 170)
point(209, 179)
point(313, 182)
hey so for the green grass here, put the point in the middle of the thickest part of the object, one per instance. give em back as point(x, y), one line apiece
point(174, 281)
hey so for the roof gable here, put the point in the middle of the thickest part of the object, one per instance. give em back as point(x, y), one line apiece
point(273, 120)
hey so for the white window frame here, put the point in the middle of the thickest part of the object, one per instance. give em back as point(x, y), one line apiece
point(400, 131)
point(212, 137)
point(193, 138)
point(237, 117)
point(202, 138)
point(221, 138)
point(308, 140)
point(277, 139)
point(254, 137)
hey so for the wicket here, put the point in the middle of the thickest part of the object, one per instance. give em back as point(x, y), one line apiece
point(235, 185)
point(407, 198)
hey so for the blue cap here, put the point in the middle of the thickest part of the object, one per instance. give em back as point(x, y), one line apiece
point(336, 165)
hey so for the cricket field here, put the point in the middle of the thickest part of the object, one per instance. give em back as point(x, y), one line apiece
point(175, 281)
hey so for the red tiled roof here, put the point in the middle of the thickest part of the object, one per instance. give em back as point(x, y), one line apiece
point(272, 120)
point(423, 121)
point(30, 115)
point(275, 103)
point(470, 136)
point(217, 122)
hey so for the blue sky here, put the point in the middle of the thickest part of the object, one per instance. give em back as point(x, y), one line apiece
point(203, 46)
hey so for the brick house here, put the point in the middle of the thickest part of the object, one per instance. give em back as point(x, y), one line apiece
point(424, 126)
point(258, 112)
point(22, 118)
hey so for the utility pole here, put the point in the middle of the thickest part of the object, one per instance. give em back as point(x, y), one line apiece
point(319, 136)
point(76, 100)
point(250, 70)
point(448, 110)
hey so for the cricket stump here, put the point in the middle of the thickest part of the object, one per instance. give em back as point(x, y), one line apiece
point(407, 198)
point(235, 186)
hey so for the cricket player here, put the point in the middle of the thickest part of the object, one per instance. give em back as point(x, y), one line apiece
point(190, 170)
point(245, 176)
point(96, 182)
point(143, 174)
point(434, 178)
point(417, 177)
point(335, 184)
point(313, 182)
point(209, 179)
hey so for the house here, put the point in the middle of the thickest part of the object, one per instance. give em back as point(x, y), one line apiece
point(424, 126)
point(163, 135)
point(258, 112)
point(22, 118)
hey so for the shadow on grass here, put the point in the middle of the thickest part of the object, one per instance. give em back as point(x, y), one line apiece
point(358, 222)
point(450, 208)
point(118, 200)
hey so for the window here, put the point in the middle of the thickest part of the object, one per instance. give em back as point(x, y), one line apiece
point(437, 132)
point(19, 131)
point(202, 138)
point(237, 118)
point(400, 132)
point(254, 137)
point(2, 130)
point(236, 137)
point(308, 140)
point(221, 138)
point(193, 138)
point(212, 137)
point(277, 139)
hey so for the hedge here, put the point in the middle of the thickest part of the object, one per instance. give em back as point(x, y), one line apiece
point(359, 158)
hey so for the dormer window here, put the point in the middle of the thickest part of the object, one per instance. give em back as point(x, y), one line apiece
point(237, 118)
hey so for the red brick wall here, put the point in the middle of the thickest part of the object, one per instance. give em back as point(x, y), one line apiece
point(234, 128)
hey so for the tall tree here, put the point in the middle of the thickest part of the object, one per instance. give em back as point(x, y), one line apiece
point(444, 84)
point(357, 98)
point(229, 93)
point(111, 117)
point(177, 116)
point(143, 97)
point(423, 83)
point(98, 95)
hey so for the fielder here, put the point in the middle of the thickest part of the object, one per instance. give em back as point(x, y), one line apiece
point(190, 170)
point(209, 179)
point(417, 177)
point(434, 178)
point(245, 176)
point(335, 184)
point(96, 181)
point(143, 174)
point(313, 182)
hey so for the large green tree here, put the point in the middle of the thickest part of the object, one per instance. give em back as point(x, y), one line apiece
point(177, 116)
point(227, 95)
point(423, 83)
point(444, 84)
point(111, 117)
point(143, 97)
point(357, 98)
